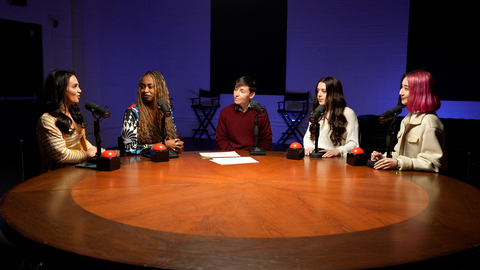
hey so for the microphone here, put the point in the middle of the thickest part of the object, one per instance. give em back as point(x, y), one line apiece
point(390, 114)
point(257, 107)
point(95, 109)
point(317, 113)
point(162, 105)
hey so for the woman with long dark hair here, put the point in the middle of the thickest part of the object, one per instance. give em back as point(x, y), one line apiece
point(339, 124)
point(421, 139)
point(60, 129)
point(142, 120)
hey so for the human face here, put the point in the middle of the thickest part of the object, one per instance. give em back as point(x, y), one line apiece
point(404, 92)
point(147, 88)
point(72, 94)
point(242, 96)
point(322, 93)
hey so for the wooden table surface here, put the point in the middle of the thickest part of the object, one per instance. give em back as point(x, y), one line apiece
point(278, 213)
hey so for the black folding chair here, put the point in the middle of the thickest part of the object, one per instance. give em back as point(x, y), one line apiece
point(205, 107)
point(293, 109)
point(31, 161)
point(458, 161)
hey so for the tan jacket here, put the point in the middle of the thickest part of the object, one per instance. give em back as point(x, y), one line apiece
point(421, 144)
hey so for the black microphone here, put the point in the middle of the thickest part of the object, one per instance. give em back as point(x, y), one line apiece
point(317, 113)
point(95, 109)
point(390, 114)
point(257, 107)
point(162, 105)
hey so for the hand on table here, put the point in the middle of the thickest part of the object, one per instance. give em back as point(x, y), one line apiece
point(386, 164)
point(330, 153)
point(175, 145)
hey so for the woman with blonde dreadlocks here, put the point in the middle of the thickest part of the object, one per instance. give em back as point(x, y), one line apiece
point(142, 121)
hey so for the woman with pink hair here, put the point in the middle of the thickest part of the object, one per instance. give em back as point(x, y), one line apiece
point(421, 139)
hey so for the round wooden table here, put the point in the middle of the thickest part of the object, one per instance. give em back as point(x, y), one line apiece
point(277, 214)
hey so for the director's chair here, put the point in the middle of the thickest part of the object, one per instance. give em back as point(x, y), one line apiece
point(293, 109)
point(207, 110)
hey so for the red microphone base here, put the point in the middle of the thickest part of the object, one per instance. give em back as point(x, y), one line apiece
point(357, 159)
point(108, 164)
point(159, 155)
point(295, 153)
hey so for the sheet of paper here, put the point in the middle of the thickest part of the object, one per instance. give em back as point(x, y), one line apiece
point(232, 161)
point(219, 154)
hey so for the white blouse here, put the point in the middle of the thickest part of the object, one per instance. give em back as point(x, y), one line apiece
point(350, 137)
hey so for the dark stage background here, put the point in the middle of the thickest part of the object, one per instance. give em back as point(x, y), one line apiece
point(248, 38)
point(21, 59)
point(443, 40)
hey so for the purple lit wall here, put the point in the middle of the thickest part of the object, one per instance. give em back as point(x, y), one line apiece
point(111, 43)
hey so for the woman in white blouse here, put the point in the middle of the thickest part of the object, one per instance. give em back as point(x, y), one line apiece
point(339, 124)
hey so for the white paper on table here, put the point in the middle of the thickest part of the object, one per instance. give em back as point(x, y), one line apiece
point(219, 154)
point(232, 161)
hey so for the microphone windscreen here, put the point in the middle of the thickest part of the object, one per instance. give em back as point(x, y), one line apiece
point(257, 107)
point(388, 115)
point(100, 111)
point(317, 113)
point(162, 105)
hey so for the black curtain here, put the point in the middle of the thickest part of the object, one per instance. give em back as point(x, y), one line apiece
point(21, 59)
point(442, 39)
point(248, 38)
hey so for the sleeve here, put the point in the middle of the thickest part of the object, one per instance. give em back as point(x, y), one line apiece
point(265, 136)
point(306, 139)
point(222, 133)
point(88, 144)
point(129, 132)
point(54, 144)
point(431, 153)
point(351, 134)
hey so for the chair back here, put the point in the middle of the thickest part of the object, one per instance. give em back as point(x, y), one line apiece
point(209, 98)
point(31, 161)
point(295, 102)
point(458, 161)
point(121, 146)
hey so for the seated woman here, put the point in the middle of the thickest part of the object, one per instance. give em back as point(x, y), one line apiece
point(421, 139)
point(60, 130)
point(142, 121)
point(339, 124)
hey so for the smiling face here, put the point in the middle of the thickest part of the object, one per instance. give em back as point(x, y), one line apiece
point(72, 94)
point(147, 88)
point(242, 96)
point(404, 91)
point(322, 93)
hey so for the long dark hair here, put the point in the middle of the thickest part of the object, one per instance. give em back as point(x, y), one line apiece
point(334, 106)
point(54, 100)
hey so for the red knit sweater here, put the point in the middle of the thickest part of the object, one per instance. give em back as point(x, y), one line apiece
point(235, 130)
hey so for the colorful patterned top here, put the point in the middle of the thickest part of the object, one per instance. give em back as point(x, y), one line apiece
point(131, 124)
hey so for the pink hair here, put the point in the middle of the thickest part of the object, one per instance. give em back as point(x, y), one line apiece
point(422, 93)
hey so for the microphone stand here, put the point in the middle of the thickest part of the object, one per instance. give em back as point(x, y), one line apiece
point(316, 154)
point(171, 153)
point(164, 131)
point(390, 134)
point(98, 139)
point(255, 150)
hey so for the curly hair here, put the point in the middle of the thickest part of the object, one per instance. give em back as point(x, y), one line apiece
point(54, 100)
point(334, 106)
point(150, 124)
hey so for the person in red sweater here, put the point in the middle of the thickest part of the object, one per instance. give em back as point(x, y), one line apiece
point(235, 128)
